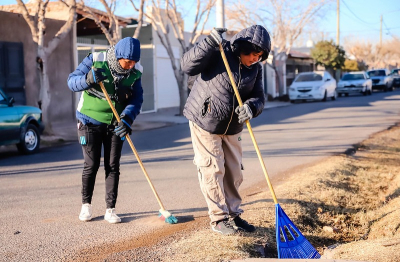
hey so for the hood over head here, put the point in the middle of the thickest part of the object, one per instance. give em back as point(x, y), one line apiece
point(255, 34)
point(128, 48)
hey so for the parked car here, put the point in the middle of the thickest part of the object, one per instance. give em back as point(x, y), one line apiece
point(317, 85)
point(396, 77)
point(381, 79)
point(355, 83)
point(20, 125)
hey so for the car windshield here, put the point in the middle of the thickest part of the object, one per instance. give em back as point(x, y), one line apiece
point(308, 78)
point(353, 77)
point(376, 73)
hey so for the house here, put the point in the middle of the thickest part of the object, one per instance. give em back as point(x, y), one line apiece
point(18, 72)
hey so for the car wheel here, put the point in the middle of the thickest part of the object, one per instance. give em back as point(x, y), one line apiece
point(335, 95)
point(347, 94)
point(325, 95)
point(292, 101)
point(340, 94)
point(29, 141)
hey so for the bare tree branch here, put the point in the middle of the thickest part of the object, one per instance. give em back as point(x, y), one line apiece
point(112, 33)
point(29, 20)
point(38, 30)
point(173, 20)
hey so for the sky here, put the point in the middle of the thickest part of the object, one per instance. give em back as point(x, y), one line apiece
point(359, 19)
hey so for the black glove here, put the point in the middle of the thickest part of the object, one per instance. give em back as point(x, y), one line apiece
point(244, 113)
point(123, 128)
point(95, 75)
point(215, 37)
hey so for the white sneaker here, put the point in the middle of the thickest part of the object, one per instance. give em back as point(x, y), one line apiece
point(86, 212)
point(111, 217)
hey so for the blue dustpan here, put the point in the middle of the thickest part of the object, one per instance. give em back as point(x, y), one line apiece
point(290, 242)
point(293, 243)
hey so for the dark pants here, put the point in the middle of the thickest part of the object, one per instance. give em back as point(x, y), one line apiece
point(92, 138)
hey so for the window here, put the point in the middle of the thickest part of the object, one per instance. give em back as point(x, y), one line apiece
point(308, 78)
point(377, 73)
point(349, 77)
point(2, 99)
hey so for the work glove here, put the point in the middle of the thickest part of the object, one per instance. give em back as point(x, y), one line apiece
point(123, 128)
point(95, 75)
point(244, 112)
point(215, 37)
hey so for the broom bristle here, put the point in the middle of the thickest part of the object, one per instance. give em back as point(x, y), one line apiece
point(290, 241)
point(167, 217)
point(303, 250)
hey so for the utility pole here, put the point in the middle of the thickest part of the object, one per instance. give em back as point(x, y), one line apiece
point(380, 35)
point(220, 12)
point(338, 23)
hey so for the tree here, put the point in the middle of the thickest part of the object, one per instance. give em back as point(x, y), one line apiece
point(165, 17)
point(140, 16)
point(108, 22)
point(284, 19)
point(331, 56)
point(111, 30)
point(350, 65)
point(375, 55)
point(37, 25)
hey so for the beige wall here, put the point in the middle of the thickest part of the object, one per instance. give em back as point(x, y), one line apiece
point(13, 28)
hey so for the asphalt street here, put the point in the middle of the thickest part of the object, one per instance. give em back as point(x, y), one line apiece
point(40, 194)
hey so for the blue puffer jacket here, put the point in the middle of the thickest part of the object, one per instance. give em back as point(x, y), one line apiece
point(128, 48)
point(212, 101)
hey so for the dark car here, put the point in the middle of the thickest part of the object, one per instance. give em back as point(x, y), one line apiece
point(20, 125)
point(396, 77)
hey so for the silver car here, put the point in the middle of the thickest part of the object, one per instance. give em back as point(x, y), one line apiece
point(355, 83)
point(381, 79)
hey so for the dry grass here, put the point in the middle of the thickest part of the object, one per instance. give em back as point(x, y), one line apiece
point(348, 201)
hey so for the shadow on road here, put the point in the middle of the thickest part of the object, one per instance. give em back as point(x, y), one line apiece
point(174, 138)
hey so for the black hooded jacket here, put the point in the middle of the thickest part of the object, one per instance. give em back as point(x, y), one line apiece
point(212, 101)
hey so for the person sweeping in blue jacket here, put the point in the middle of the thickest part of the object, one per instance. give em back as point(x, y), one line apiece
point(216, 119)
point(120, 71)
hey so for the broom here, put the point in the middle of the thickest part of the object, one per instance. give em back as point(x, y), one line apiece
point(291, 243)
point(163, 214)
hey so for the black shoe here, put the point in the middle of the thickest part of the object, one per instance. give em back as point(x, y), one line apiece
point(239, 223)
point(224, 227)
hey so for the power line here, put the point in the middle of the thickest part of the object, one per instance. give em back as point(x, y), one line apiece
point(366, 30)
point(387, 28)
point(356, 15)
point(349, 16)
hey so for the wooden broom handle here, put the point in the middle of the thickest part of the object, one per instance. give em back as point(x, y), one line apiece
point(132, 146)
point(235, 89)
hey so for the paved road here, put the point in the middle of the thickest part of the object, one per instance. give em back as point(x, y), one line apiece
point(40, 194)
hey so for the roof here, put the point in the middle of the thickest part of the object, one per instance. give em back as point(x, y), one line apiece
point(297, 54)
point(59, 11)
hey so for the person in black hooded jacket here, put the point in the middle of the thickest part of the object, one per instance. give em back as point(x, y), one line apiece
point(216, 121)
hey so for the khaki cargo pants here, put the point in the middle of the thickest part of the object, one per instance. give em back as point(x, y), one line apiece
point(218, 159)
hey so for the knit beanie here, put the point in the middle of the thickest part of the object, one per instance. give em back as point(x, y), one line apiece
point(128, 48)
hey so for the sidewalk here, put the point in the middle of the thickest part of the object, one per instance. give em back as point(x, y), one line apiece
point(66, 131)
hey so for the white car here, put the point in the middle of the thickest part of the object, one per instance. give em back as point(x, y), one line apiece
point(317, 85)
point(355, 83)
point(381, 79)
